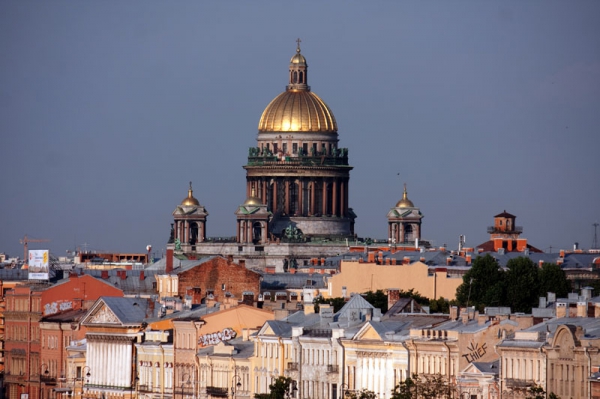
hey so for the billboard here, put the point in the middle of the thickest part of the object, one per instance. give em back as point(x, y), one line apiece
point(38, 264)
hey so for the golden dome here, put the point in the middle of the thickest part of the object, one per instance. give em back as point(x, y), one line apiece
point(254, 201)
point(405, 202)
point(298, 59)
point(297, 111)
point(190, 200)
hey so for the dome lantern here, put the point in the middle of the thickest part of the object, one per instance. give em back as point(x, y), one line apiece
point(297, 109)
point(298, 71)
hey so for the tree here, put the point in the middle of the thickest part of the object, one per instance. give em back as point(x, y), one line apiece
point(440, 305)
point(553, 279)
point(281, 388)
point(537, 392)
point(483, 285)
point(336, 303)
point(378, 299)
point(522, 284)
point(423, 386)
point(362, 394)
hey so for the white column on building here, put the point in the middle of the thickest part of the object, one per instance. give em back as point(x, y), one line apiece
point(121, 361)
point(114, 372)
point(91, 361)
point(103, 365)
point(129, 359)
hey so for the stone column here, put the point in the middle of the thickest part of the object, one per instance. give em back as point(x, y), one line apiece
point(264, 191)
point(274, 208)
point(334, 207)
point(300, 211)
point(287, 197)
point(343, 199)
point(312, 198)
point(128, 359)
point(324, 207)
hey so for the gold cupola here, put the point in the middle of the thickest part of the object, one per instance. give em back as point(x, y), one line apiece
point(190, 200)
point(405, 202)
point(253, 200)
point(297, 109)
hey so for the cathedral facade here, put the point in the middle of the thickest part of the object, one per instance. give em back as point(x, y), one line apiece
point(297, 205)
point(297, 188)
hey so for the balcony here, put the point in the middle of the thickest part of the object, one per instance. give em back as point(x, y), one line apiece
point(504, 230)
point(340, 159)
point(217, 392)
point(332, 368)
point(292, 366)
point(514, 383)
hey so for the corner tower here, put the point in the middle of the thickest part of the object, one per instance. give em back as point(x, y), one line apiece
point(297, 170)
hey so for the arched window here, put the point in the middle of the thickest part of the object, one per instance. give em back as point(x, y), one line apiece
point(301, 77)
point(295, 77)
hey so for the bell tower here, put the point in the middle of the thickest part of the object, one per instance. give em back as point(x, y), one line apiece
point(189, 227)
point(404, 221)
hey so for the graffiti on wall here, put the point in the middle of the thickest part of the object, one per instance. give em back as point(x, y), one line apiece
point(55, 307)
point(215, 338)
point(475, 352)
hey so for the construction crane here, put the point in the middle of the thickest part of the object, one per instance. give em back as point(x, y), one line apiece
point(26, 240)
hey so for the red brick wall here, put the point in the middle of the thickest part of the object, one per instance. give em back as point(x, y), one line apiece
point(72, 294)
point(212, 274)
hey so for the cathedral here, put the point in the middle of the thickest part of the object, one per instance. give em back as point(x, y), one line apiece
point(297, 190)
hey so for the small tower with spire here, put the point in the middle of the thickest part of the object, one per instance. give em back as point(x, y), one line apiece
point(404, 221)
point(253, 220)
point(298, 71)
point(189, 223)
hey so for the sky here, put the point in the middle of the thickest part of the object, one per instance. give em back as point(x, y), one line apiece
point(109, 109)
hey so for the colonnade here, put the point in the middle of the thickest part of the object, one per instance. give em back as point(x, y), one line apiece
point(183, 230)
point(302, 196)
point(245, 231)
point(402, 232)
point(110, 360)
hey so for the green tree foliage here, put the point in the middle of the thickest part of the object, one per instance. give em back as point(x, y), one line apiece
point(553, 279)
point(423, 386)
point(537, 392)
point(420, 299)
point(280, 388)
point(378, 299)
point(336, 303)
point(522, 284)
point(485, 282)
point(362, 394)
point(440, 305)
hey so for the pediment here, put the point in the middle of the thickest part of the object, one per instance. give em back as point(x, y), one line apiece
point(266, 330)
point(367, 333)
point(103, 316)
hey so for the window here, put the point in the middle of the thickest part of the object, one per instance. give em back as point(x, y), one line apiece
point(295, 148)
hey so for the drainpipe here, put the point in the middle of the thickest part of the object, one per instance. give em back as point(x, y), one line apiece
point(449, 360)
point(500, 374)
point(589, 383)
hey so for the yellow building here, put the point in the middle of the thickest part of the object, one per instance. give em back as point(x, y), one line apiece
point(359, 277)
point(192, 334)
point(155, 365)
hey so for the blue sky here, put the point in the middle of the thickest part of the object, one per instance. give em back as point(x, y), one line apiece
point(109, 109)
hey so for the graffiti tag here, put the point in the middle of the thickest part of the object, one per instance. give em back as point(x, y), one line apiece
point(215, 338)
